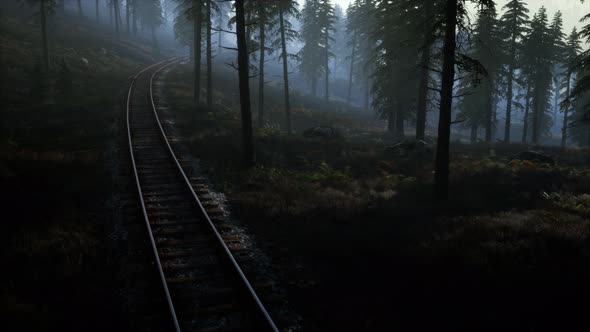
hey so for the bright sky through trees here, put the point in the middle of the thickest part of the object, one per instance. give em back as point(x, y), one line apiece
point(572, 10)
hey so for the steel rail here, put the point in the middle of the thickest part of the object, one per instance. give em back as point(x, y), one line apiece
point(244, 280)
point(143, 206)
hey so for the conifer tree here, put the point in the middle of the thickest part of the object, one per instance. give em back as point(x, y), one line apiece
point(287, 10)
point(513, 27)
point(540, 53)
point(572, 49)
point(454, 15)
point(318, 25)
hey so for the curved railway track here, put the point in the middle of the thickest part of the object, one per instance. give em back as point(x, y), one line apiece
point(204, 286)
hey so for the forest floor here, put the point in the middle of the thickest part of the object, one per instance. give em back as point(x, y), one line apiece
point(366, 248)
point(58, 140)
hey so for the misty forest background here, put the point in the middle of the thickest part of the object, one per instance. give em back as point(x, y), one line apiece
point(434, 154)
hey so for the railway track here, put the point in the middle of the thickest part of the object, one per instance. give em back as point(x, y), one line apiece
point(204, 286)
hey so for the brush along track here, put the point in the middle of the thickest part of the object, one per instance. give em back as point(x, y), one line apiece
point(204, 287)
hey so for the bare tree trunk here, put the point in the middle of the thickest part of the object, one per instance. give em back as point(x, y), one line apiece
point(261, 31)
point(327, 64)
point(134, 12)
point(80, 13)
point(422, 94)
point(473, 137)
point(509, 96)
point(314, 86)
point(391, 123)
point(209, 58)
point(43, 13)
point(197, 21)
point(351, 73)
point(117, 22)
point(285, 71)
point(128, 16)
point(441, 177)
point(399, 125)
point(367, 90)
point(111, 9)
point(247, 137)
point(526, 113)
point(97, 10)
point(155, 47)
point(536, 116)
point(489, 112)
point(566, 112)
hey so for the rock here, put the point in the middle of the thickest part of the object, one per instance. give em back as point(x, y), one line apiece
point(534, 156)
point(84, 60)
point(409, 149)
point(323, 132)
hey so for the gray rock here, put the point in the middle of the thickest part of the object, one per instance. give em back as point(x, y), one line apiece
point(409, 149)
point(323, 132)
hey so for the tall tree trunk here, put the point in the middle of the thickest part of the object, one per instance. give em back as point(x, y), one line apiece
point(351, 73)
point(537, 108)
point(247, 137)
point(128, 16)
point(261, 32)
point(197, 22)
point(391, 125)
point(441, 177)
point(134, 12)
point(526, 113)
point(489, 112)
point(97, 10)
point(80, 13)
point(209, 58)
point(509, 96)
point(314, 86)
point(43, 13)
point(367, 91)
point(155, 47)
point(117, 22)
point(422, 94)
point(473, 137)
point(111, 9)
point(285, 71)
point(566, 112)
point(327, 65)
point(399, 124)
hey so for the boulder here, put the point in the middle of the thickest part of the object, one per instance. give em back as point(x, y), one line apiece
point(323, 132)
point(534, 156)
point(409, 149)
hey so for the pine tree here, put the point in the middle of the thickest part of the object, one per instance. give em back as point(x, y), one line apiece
point(352, 29)
point(150, 15)
point(455, 13)
point(246, 115)
point(396, 84)
point(318, 25)
point(513, 27)
point(287, 10)
point(340, 41)
point(209, 27)
point(571, 52)
point(540, 54)
point(117, 23)
point(365, 21)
